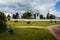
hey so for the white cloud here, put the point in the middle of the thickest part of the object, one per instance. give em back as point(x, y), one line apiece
point(12, 6)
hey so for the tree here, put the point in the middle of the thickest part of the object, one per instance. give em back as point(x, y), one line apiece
point(41, 17)
point(52, 17)
point(48, 16)
point(15, 16)
point(2, 16)
point(8, 17)
point(27, 15)
point(2, 21)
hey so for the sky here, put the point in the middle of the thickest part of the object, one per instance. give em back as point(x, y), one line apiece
point(20, 6)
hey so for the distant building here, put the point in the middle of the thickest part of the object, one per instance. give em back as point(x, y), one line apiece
point(35, 15)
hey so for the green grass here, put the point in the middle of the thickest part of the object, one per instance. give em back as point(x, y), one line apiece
point(27, 34)
point(33, 23)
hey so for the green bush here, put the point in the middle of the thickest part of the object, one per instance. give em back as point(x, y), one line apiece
point(2, 25)
point(2, 21)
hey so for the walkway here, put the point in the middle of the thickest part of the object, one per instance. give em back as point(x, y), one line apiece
point(30, 27)
point(55, 29)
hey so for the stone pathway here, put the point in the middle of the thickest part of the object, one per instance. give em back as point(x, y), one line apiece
point(55, 29)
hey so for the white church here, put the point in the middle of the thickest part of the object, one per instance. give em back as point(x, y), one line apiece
point(36, 13)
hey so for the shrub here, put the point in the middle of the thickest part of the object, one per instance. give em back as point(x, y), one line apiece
point(2, 25)
point(2, 21)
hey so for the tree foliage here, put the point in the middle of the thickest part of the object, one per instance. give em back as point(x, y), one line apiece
point(41, 17)
point(15, 16)
point(2, 16)
point(50, 16)
point(8, 17)
point(2, 25)
point(2, 21)
point(27, 15)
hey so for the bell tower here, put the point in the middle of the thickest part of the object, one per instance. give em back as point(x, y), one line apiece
point(37, 14)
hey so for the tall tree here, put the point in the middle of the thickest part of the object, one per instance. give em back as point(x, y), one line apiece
point(15, 16)
point(8, 17)
point(27, 15)
point(2, 16)
point(2, 21)
point(41, 17)
point(48, 16)
point(52, 16)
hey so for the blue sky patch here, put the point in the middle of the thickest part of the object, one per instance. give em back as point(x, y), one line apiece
point(57, 6)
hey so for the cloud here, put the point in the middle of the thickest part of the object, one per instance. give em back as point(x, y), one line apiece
point(21, 6)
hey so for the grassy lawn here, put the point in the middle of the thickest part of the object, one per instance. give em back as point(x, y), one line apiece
point(27, 34)
point(33, 23)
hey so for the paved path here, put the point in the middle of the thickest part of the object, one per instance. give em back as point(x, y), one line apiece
point(55, 29)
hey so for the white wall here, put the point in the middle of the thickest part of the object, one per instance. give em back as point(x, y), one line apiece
point(34, 20)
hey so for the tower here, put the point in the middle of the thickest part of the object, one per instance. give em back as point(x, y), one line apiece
point(37, 14)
